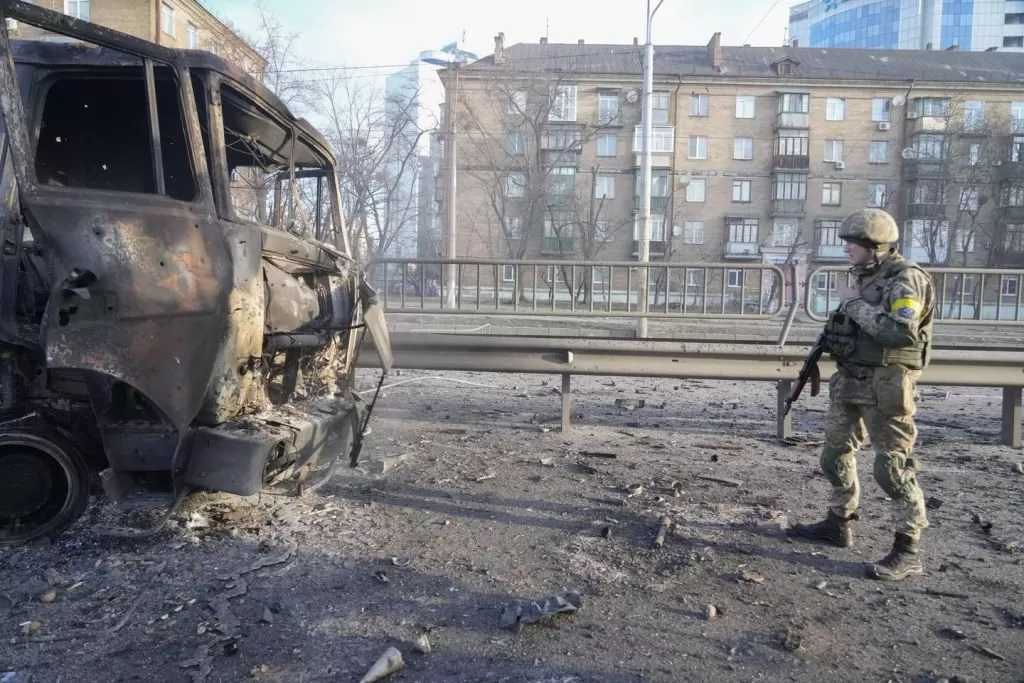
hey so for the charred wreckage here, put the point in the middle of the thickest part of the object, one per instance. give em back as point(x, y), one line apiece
point(179, 308)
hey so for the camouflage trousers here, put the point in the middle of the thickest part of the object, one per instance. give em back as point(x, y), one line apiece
point(876, 402)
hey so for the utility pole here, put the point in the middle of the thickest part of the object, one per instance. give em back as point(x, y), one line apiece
point(450, 213)
point(645, 174)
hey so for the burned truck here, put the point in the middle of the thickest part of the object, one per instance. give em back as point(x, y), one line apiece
point(179, 307)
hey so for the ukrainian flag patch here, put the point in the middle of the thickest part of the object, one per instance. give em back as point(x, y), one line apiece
point(906, 308)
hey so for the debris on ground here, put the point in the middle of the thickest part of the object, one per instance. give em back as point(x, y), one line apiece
point(388, 663)
point(515, 614)
point(422, 644)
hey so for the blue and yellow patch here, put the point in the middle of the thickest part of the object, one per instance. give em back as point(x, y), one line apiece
point(906, 308)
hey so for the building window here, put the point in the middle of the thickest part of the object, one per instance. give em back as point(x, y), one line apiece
point(974, 116)
point(735, 278)
point(743, 148)
point(880, 109)
point(604, 187)
point(974, 154)
point(602, 230)
point(662, 139)
point(930, 147)
point(833, 150)
point(742, 230)
point(607, 108)
point(1013, 41)
point(514, 227)
point(659, 108)
point(698, 105)
point(563, 103)
point(968, 200)
point(695, 190)
point(795, 103)
point(877, 195)
point(963, 240)
point(516, 147)
point(659, 184)
point(693, 232)
point(561, 181)
point(1017, 149)
point(831, 194)
point(928, 192)
point(193, 36)
point(517, 102)
point(1013, 240)
point(878, 152)
point(794, 143)
point(167, 19)
point(515, 185)
point(835, 109)
point(698, 147)
point(1009, 284)
point(931, 106)
point(785, 232)
point(1017, 117)
point(789, 186)
point(657, 227)
point(744, 106)
point(607, 145)
point(741, 190)
point(78, 9)
point(508, 273)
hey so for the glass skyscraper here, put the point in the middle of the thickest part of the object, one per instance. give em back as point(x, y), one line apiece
point(909, 24)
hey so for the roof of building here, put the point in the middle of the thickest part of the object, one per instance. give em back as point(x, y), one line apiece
point(757, 62)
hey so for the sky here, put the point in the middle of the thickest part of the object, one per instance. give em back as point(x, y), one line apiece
point(377, 37)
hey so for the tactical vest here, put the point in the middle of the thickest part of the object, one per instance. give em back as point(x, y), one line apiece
point(848, 344)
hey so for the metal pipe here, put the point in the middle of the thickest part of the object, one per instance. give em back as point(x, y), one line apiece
point(645, 194)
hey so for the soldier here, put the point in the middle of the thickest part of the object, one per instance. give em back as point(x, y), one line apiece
point(879, 338)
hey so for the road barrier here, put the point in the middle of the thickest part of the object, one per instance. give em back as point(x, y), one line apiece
point(672, 359)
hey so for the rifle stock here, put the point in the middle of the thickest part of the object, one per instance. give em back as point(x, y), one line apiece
point(809, 371)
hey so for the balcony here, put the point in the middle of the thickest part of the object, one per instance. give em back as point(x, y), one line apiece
point(657, 248)
point(742, 250)
point(830, 252)
point(792, 119)
point(555, 245)
point(658, 204)
point(926, 210)
point(792, 162)
point(608, 119)
point(1008, 169)
point(926, 168)
point(1012, 214)
point(787, 207)
point(928, 124)
point(561, 157)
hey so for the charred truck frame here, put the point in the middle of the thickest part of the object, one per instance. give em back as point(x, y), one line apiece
point(178, 301)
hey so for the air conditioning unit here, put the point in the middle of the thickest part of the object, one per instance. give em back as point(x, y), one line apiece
point(883, 125)
point(840, 165)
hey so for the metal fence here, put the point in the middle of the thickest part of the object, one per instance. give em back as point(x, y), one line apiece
point(966, 296)
point(613, 289)
point(585, 288)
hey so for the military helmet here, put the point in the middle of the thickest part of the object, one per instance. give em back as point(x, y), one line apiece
point(870, 225)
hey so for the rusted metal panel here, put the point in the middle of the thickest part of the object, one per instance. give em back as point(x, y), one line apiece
point(157, 310)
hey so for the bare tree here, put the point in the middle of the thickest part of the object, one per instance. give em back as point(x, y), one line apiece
point(376, 141)
point(521, 145)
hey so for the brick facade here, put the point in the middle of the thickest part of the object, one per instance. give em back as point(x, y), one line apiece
point(144, 19)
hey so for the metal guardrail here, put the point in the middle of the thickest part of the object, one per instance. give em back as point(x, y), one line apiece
point(964, 296)
point(632, 358)
point(585, 288)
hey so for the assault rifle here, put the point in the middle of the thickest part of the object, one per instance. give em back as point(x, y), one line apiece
point(809, 371)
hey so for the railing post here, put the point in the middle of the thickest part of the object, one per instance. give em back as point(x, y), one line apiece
point(566, 402)
point(783, 421)
point(1011, 435)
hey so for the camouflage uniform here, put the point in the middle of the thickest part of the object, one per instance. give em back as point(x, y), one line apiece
point(880, 343)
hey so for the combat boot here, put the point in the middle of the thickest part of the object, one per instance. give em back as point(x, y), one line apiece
point(834, 529)
point(901, 562)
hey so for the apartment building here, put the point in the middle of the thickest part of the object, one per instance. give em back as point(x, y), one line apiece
point(758, 152)
point(174, 23)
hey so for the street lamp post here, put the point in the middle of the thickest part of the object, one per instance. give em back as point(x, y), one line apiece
point(645, 173)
